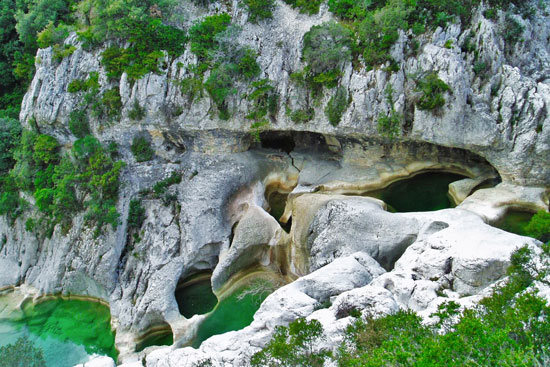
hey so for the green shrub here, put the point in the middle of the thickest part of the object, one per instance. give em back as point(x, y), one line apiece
point(192, 88)
point(45, 150)
point(136, 214)
point(111, 103)
point(62, 51)
point(305, 6)
point(265, 100)
point(52, 35)
point(219, 86)
point(259, 9)
point(326, 48)
point(202, 35)
point(337, 105)
point(10, 133)
point(513, 31)
point(389, 125)
point(78, 123)
point(302, 115)
point(247, 66)
point(539, 226)
point(293, 346)
point(160, 187)
point(137, 112)
point(431, 89)
point(141, 149)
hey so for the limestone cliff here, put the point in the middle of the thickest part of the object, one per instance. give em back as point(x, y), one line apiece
point(494, 124)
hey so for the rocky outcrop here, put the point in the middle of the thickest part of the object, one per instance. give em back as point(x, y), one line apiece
point(342, 249)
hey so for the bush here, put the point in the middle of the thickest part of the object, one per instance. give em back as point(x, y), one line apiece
point(259, 9)
point(78, 123)
point(302, 115)
point(141, 149)
point(136, 214)
point(337, 105)
point(161, 186)
point(220, 86)
point(513, 31)
point(265, 100)
point(327, 47)
point(389, 126)
point(305, 6)
point(431, 89)
point(539, 226)
point(202, 35)
point(10, 133)
point(46, 150)
point(111, 103)
point(137, 112)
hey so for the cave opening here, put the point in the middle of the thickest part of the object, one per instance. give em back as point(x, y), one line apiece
point(194, 295)
point(426, 191)
point(279, 140)
point(158, 336)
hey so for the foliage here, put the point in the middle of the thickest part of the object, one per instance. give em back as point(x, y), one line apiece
point(508, 328)
point(305, 6)
point(141, 149)
point(45, 150)
point(431, 90)
point(539, 226)
point(265, 100)
point(202, 35)
point(293, 346)
point(302, 115)
point(337, 105)
point(389, 125)
point(111, 103)
point(326, 48)
point(137, 112)
point(513, 31)
point(160, 187)
point(10, 133)
point(78, 123)
point(22, 353)
point(136, 214)
point(259, 9)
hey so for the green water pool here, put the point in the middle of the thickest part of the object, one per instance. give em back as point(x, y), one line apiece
point(233, 313)
point(423, 192)
point(196, 298)
point(515, 221)
point(67, 331)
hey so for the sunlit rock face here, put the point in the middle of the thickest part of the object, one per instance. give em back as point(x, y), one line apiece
point(290, 204)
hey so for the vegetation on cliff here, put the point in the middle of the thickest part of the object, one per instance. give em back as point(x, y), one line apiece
point(511, 327)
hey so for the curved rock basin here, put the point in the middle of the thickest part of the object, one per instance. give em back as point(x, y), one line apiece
point(195, 297)
point(515, 221)
point(67, 331)
point(421, 193)
point(234, 312)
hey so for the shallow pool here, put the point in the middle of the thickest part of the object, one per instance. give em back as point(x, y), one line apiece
point(234, 312)
point(67, 331)
point(423, 192)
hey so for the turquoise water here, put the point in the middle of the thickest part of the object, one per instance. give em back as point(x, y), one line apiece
point(67, 331)
point(233, 313)
point(424, 192)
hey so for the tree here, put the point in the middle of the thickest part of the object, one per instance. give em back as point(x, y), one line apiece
point(539, 226)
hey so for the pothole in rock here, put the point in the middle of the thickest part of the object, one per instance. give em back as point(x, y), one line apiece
point(158, 336)
point(423, 192)
point(515, 221)
point(234, 312)
point(194, 295)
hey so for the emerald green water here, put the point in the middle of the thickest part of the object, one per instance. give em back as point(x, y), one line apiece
point(233, 313)
point(160, 338)
point(67, 331)
point(421, 193)
point(196, 298)
point(515, 221)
